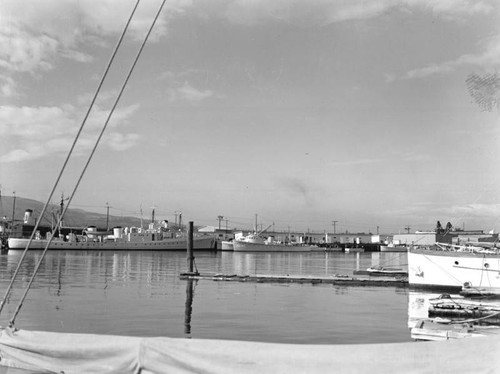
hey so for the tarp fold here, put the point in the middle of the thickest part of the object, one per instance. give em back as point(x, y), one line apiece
point(50, 352)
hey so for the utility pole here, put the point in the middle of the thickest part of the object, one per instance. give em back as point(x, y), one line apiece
point(107, 216)
point(13, 210)
point(378, 230)
point(407, 228)
point(334, 223)
point(61, 205)
point(220, 218)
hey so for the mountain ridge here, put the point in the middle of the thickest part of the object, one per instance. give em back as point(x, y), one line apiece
point(74, 217)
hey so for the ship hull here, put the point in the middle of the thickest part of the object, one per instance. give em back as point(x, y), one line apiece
point(453, 269)
point(240, 246)
point(170, 244)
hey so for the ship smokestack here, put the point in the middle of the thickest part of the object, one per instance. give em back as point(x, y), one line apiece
point(28, 217)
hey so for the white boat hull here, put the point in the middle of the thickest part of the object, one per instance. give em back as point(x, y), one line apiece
point(354, 250)
point(241, 246)
point(389, 248)
point(436, 268)
point(169, 244)
point(226, 245)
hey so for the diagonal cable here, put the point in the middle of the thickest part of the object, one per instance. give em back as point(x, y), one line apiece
point(16, 312)
point(9, 288)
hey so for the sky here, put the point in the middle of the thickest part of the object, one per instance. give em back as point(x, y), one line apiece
point(319, 115)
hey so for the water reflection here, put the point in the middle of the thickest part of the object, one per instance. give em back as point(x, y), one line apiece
point(319, 263)
point(418, 306)
point(390, 259)
point(141, 294)
point(152, 267)
point(189, 307)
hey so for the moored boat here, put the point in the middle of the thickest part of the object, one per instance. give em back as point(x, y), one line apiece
point(488, 311)
point(354, 249)
point(391, 247)
point(152, 239)
point(226, 245)
point(454, 267)
point(382, 270)
point(437, 330)
point(256, 243)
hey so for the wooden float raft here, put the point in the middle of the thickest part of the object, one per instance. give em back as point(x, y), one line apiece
point(401, 274)
point(338, 280)
point(428, 329)
point(466, 309)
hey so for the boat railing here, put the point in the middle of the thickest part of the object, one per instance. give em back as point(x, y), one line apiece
point(445, 247)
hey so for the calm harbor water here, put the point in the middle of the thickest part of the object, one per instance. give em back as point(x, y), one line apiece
point(141, 294)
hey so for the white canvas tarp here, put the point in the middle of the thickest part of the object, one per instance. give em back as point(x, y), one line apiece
point(88, 353)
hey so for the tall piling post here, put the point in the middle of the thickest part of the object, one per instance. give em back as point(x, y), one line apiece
point(190, 255)
point(189, 286)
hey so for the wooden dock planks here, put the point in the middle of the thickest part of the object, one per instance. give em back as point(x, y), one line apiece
point(341, 280)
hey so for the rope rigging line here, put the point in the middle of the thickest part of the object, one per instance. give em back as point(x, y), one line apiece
point(61, 172)
point(16, 312)
point(474, 319)
point(194, 263)
point(444, 271)
point(390, 261)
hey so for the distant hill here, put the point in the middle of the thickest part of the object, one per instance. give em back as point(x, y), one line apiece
point(73, 217)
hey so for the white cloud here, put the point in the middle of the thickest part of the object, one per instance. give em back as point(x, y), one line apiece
point(8, 86)
point(23, 52)
point(490, 57)
point(454, 9)
point(16, 155)
point(36, 132)
point(327, 11)
point(189, 93)
point(121, 142)
point(35, 34)
point(77, 56)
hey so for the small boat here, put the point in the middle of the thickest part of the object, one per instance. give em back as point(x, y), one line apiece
point(460, 307)
point(381, 270)
point(441, 329)
point(135, 239)
point(256, 243)
point(455, 268)
point(226, 245)
point(354, 249)
point(391, 247)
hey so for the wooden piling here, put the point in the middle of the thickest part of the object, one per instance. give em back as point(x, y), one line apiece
point(190, 255)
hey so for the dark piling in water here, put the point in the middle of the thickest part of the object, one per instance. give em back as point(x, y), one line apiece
point(190, 253)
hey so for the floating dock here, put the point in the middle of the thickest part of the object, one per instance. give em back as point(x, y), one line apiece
point(466, 309)
point(428, 329)
point(338, 280)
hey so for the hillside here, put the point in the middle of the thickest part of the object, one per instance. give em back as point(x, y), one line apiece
point(74, 217)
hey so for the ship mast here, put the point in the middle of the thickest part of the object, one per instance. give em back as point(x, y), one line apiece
point(13, 211)
point(107, 216)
